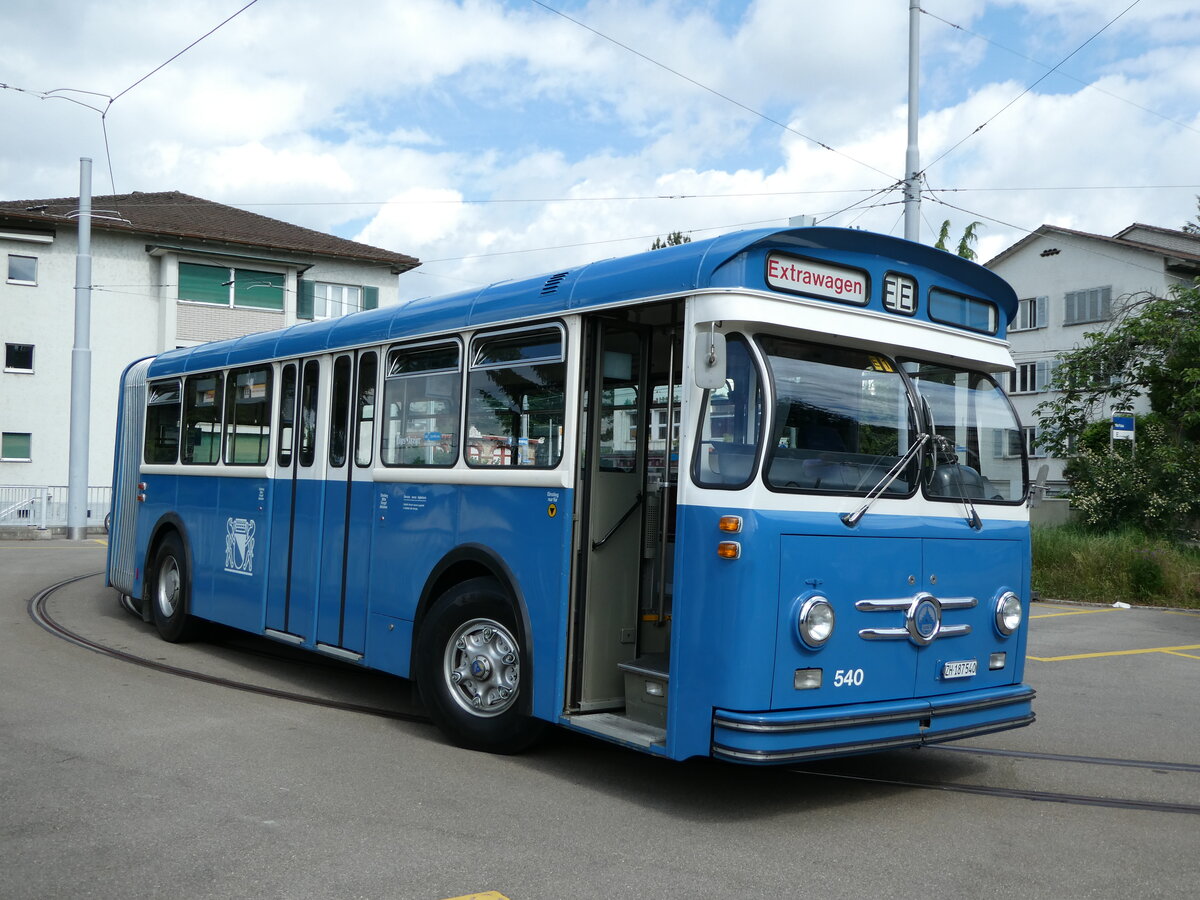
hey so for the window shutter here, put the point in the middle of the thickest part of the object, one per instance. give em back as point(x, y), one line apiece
point(204, 284)
point(1043, 311)
point(1106, 302)
point(370, 297)
point(1069, 308)
point(998, 443)
point(304, 299)
point(258, 290)
point(1043, 375)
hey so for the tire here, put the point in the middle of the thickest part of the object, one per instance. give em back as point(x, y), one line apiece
point(169, 592)
point(473, 674)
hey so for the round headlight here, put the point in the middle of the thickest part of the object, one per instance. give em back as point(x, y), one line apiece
point(1008, 613)
point(815, 621)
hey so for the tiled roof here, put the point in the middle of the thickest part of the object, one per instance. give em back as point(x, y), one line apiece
point(178, 216)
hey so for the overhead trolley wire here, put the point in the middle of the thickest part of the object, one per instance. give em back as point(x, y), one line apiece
point(1038, 62)
point(711, 90)
point(1006, 106)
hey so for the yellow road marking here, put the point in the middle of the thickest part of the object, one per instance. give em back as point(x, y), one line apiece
point(1073, 612)
point(486, 895)
point(1115, 653)
point(1177, 653)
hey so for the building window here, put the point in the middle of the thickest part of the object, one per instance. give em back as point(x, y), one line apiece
point(333, 300)
point(1031, 378)
point(1091, 305)
point(325, 300)
point(1032, 312)
point(22, 269)
point(18, 357)
point(1031, 445)
point(224, 286)
point(15, 446)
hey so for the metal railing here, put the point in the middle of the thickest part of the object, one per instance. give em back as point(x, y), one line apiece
point(42, 507)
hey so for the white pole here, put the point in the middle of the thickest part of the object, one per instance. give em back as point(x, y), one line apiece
point(912, 158)
point(81, 364)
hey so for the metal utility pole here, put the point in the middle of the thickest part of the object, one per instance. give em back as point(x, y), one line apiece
point(912, 158)
point(81, 364)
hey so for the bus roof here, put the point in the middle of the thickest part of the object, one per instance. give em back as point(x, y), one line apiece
point(724, 262)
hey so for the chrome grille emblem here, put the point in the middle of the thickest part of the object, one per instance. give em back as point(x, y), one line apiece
point(924, 619)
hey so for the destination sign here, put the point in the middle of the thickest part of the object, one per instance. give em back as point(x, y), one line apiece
point(818, 279)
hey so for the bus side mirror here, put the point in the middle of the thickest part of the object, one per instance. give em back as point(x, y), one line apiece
point(710, 359)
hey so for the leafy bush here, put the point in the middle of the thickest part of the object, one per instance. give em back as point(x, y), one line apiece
point(1154, 485)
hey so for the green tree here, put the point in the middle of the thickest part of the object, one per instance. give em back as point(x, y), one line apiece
point(966, 243)
point(1151, 348)
point(674, 239)
point(1193, 227)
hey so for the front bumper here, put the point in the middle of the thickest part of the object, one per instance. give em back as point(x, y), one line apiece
point(790, 735)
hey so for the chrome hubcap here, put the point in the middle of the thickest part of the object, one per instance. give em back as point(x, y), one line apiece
point(167, 588)
point(482, 667)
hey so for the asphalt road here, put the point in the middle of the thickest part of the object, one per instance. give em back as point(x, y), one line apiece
point(118, 780)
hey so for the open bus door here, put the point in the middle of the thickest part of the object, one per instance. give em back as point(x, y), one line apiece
point(620, 643)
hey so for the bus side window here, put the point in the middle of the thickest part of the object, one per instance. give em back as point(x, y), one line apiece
point(516, 393)
point(287, 415)
point(421, 403)
point(339, 412)
point(308, 412)
point(162, 422)
point(202, 419)
point(364, 413)
point(248, 416)
point(731, 423)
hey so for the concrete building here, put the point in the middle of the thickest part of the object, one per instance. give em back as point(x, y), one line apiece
point(1071, 282)
point(168, 270)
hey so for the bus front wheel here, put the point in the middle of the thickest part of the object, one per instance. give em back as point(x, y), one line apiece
point(170, 592)
point(473, 672)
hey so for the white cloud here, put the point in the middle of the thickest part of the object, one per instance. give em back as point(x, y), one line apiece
point(382, 121)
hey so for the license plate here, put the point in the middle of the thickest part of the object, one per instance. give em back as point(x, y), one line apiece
point(962, 668)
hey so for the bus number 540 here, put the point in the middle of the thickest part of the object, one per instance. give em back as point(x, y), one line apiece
point(848, 678)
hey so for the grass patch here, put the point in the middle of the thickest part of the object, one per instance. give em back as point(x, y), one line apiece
point(1070, 563)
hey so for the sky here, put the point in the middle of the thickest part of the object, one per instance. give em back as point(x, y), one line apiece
point(503, 138)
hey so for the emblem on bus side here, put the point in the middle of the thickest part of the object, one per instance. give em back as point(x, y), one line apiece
point(239, 546)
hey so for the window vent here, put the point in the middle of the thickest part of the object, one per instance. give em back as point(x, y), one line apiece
point(552, 283)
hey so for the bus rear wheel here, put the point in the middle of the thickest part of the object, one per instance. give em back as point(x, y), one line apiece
point(170, 592)
point(472, 671)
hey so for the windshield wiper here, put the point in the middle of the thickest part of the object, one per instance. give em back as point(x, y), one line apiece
point(947, 451)
point(852, 519)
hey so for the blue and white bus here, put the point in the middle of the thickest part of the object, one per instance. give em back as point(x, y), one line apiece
point(758, 497)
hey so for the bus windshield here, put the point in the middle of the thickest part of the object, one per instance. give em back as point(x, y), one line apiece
point(843, 419)
point(978, 452)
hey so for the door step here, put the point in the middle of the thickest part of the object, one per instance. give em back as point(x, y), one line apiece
point(621, 729)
